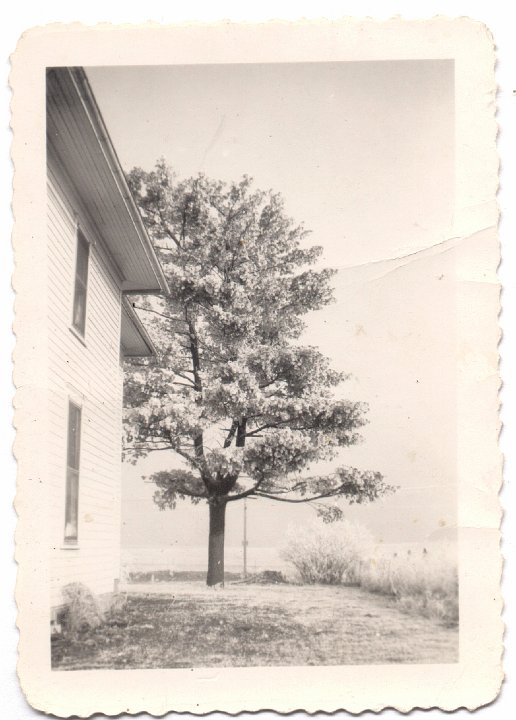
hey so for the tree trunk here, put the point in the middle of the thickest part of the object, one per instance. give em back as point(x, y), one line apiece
point(216, 542)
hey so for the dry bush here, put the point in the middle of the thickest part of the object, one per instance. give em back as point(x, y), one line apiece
point(328, 554)
point(426, 583)
point(82, 609)
point(118, 603)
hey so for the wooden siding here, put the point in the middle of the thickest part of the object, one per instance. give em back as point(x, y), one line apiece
point(88, 372)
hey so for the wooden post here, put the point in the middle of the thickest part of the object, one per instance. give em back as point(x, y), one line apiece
point(244, 541)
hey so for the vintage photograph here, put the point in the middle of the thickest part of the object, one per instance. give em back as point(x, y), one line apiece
point(208, 231)
point(260, 379)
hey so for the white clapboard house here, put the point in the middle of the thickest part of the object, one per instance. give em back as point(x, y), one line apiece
point(98, 250)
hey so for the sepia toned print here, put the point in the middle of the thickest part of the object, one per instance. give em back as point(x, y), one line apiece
point(259, 357)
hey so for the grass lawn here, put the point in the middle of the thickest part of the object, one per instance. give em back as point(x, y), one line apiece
point(190, 625)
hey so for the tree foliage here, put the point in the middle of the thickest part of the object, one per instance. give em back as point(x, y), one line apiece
point(233, 392)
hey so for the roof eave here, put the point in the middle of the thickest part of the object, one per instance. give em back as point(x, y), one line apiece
point(83, 88)
point(137, 324)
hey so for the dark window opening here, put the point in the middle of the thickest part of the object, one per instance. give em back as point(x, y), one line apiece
point(81, 283)
point(72, 474)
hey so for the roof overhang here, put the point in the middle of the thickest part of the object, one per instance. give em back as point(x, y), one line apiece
point(79, 141)
point(134, 339)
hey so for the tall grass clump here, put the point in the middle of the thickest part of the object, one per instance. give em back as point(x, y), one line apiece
point(330, 555)
point(82, 609)
point(422, 582)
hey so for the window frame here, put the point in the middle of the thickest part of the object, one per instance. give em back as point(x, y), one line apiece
point(72, 478)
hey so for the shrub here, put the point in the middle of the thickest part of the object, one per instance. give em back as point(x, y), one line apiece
point(82, 610)
point(328, 554)
point(118, 603)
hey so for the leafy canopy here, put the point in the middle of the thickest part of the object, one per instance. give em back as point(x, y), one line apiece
point(233, 392)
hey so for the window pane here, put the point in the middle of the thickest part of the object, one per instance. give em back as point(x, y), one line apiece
point(81, 282)
point(72, 472)
point(72, 505)
point(74, 436)
point(79, 307)
point(82, 257)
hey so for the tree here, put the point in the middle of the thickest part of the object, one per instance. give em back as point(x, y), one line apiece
point(233, 393)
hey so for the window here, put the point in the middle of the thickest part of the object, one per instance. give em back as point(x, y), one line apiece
point(81, 283)
point(72, 473)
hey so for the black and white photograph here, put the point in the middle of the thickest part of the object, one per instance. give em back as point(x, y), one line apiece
point(256, 368)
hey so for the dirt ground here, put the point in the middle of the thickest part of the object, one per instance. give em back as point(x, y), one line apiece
point(190, 625)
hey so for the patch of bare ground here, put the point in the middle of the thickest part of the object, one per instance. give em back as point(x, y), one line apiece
point(189, 625)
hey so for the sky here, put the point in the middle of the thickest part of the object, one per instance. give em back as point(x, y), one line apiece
point(363, 154)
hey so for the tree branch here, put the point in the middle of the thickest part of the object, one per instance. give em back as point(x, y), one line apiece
point(330, 493)
point(198, 440)
point(245, 493)
point(164, 226)
point(185, 377)
point(241, 432)
point(231, 434)
point(150, 449)
point(186, 456)
point(167, 317)
point(262, 427)
point(271, 382)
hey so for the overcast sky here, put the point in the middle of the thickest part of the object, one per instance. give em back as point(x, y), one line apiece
point(363, 155)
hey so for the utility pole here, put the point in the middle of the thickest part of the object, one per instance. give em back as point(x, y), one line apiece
point(244, 541)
